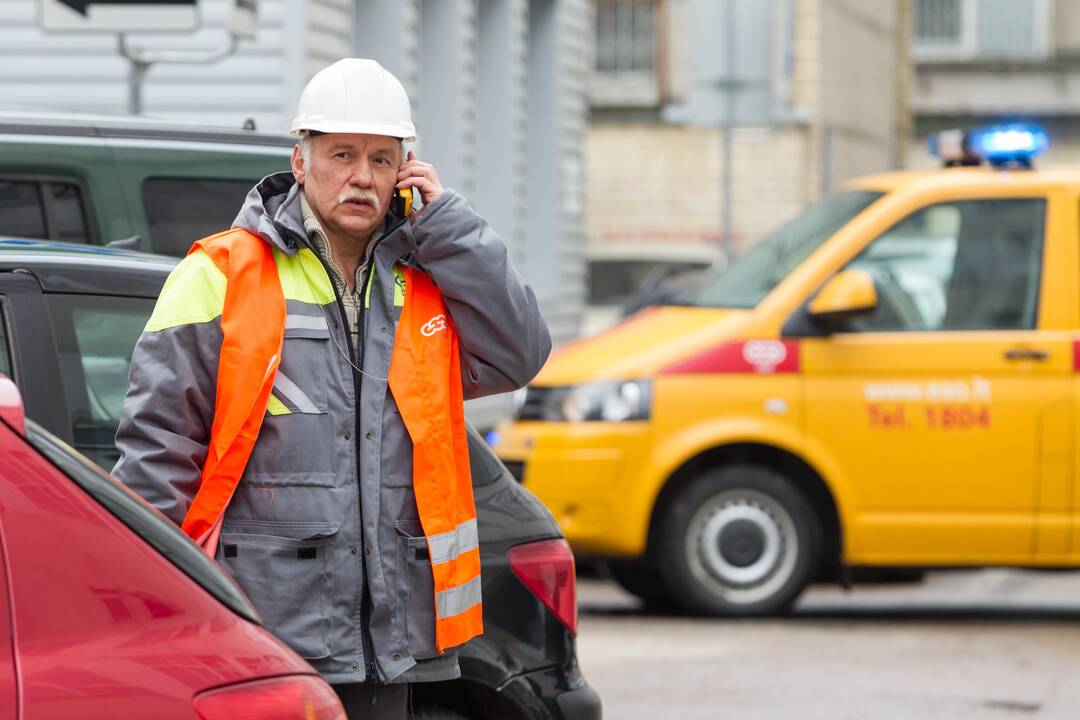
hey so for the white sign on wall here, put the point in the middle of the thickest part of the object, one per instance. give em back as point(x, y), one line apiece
point(119, 15)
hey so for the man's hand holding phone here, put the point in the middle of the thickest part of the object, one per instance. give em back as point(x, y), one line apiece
point(420, 176)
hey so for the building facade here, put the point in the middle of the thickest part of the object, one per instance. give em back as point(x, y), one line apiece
point(498, 90)
point(716, 120)
point(987, 61)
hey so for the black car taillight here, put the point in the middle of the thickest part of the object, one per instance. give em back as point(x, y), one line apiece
point(547, 569)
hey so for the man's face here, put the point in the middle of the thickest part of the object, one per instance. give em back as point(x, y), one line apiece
point(348, 179)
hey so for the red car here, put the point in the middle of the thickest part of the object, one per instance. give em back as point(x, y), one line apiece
point(107, 611)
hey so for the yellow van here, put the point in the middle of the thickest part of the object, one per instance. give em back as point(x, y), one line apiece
point(889, 380)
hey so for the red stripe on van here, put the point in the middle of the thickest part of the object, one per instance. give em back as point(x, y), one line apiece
point(762, 357)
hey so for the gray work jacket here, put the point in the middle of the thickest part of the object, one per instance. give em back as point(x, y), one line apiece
point(326, 504)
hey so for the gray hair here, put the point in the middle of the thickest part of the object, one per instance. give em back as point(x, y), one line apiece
point(305, 148)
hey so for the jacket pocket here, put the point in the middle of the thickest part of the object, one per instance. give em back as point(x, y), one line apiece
point(282, 566)
point(301, 382)
point(414, 572)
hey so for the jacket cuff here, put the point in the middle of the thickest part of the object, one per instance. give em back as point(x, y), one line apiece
point(447, 197)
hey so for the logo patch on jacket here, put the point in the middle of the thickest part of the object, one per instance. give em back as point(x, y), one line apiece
point(434, 325)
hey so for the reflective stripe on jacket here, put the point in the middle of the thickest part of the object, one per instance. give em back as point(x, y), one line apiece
point(328, 491)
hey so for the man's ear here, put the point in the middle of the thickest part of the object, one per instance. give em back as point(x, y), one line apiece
point(297, 164)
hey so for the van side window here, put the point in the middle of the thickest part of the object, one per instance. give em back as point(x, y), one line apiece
point(965, 265)
point(22, 213)
point(43, 209)
point(183, 210)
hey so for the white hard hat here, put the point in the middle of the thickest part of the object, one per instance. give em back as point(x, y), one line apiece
point(355, 95)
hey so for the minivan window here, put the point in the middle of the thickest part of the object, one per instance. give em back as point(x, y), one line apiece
point(67, 213)
point(22, 212)
point(183, 210)
point(754, 275)
point(43, 209)
point(95, 336)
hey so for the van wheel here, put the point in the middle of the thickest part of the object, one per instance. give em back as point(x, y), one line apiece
point(642, 580)
point(739, 540)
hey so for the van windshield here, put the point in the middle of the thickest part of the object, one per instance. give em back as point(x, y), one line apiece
point(754, 275)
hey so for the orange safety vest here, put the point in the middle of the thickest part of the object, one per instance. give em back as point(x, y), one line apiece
point(425, 379)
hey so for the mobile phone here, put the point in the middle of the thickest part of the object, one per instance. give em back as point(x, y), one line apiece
point(403, 201)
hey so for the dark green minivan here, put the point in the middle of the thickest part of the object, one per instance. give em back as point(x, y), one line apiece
point(151, 185)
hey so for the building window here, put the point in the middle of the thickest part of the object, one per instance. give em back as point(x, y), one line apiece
point(624, 35)
point(937, 22)
point(627, 44)
point(973, 30)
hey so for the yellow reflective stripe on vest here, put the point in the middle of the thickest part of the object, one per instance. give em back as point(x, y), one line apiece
point(399, 287)
point(276, 407)
point(457, 600)
point(447, 546)
point(194, 293)
point(304, 278)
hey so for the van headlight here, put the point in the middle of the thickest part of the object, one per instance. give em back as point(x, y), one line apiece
point(616, 401)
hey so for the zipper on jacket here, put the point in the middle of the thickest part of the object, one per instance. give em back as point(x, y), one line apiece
point(357, 360)
point(365, 592)
point(361, 342)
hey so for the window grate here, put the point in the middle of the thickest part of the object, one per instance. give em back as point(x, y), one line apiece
point(625, 35)
point(938, 21)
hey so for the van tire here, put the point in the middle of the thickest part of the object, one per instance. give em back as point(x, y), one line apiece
point(642, 580)
point(739, 540)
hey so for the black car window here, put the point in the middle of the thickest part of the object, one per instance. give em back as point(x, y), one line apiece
point(5, 349)
point(48, 209)
point(22, 210)
point(95, 336)
point(183, 210)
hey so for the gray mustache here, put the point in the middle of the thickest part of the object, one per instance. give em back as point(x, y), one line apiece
point(359, 194)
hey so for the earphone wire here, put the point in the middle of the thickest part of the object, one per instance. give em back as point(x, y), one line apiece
point(337, 346)
point(351, 363)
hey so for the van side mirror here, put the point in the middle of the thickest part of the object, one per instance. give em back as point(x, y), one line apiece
point(845, 295)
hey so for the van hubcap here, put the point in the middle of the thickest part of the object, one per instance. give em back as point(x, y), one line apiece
point(742, 545)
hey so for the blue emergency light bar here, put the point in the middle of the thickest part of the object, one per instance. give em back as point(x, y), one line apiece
point(1012, 145)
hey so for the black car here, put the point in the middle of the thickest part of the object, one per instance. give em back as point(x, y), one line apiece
point(69, 319)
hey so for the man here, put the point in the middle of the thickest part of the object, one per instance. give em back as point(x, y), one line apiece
point(298, 390)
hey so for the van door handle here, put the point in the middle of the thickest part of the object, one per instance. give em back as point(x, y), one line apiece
point(1027, 354)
